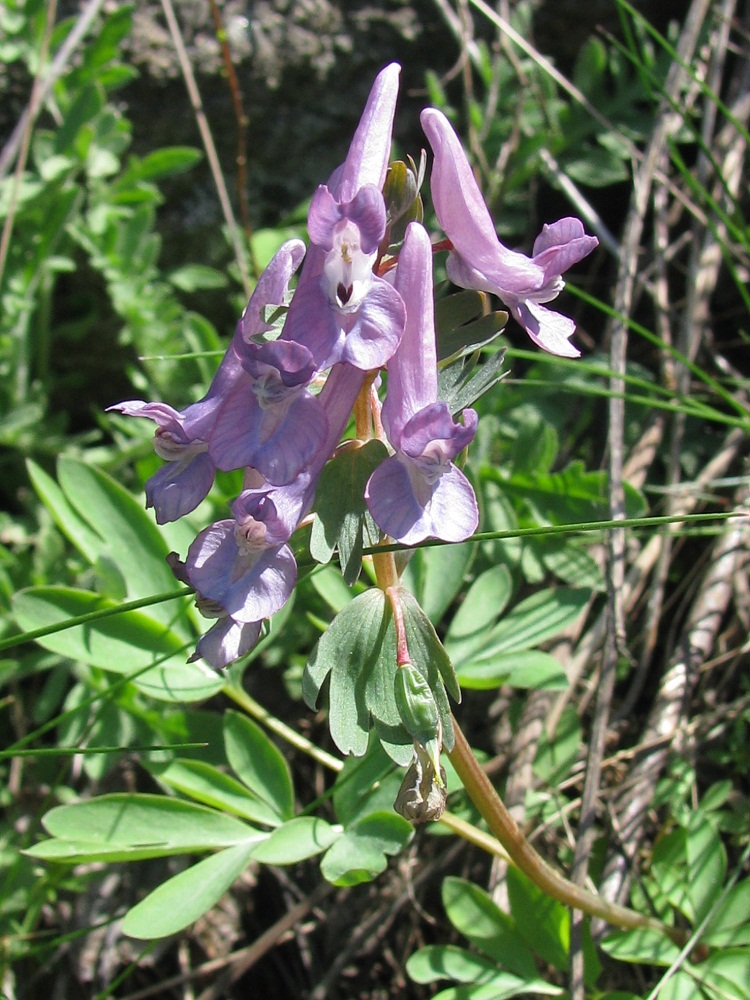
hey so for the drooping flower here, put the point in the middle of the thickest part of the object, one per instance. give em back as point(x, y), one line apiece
point(479, 260)
point(182, 436)
point(342, 311)
point(418, 492)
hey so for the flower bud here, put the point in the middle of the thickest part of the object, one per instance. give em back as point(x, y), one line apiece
point(416, 704)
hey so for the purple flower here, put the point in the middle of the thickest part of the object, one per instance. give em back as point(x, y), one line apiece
point(182, 436)
point(342, 311)
point(242, 569)
point(269, 419)
point(479, 260)
point(419, 493)
point(241, 565)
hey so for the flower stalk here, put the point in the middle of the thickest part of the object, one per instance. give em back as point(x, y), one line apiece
point(502, 825)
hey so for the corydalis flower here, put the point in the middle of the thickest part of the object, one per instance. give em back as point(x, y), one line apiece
point(269, 419)
point(342, 311)
point(418, 492)
point(242, 565)
point(182, 436)
point(479, 260)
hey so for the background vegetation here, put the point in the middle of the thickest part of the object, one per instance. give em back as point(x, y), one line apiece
point(608, 691)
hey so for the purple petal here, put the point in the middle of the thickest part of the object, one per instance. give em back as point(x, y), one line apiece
point(178, 487)
point(248, 587)
point(412, 371)
point(271, 288)
point(434, 426)
point(367, 159)
point(367, 211)
point(377, 328)
point(265, 588)
point(548, 329)
point(226, 641)
point(463, 214)
point(561, 245)
point(314, 322)
point(324, 215)
point(408, 510)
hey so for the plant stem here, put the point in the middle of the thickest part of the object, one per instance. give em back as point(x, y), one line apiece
point(525, 858)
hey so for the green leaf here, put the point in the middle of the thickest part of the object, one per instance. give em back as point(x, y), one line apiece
point(349, 650)
point(485, 601)
point(170, 160)
point(642, 945)
point(125, 643)
point(463, 381)
point(540, 617)
point(542, 922)
point(341, 517)
point(362, 852)
point(88, 542)
point(727, 973)
point(211, 787)
point(528, 669)
point(259, 764)
point(730, 925)
point(448, 962)
point(131, 539)
point(184, 898)
point(435, 576)
point(440, 961)
point(128, 827)
point(194, 277)
point(493, 932)
point(296, 840)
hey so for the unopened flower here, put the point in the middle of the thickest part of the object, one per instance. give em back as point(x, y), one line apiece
point(418, 492)
point(479, 260)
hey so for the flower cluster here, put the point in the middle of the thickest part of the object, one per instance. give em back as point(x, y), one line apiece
point(352, 313)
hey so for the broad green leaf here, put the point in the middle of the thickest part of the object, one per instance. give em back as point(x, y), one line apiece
point(439, 961)
point(169, 160)
point(730, 925)
point(536, 619)
point(542, 922)
point(211, 787)
point(726, 973)
point(436, 574)
point(480, 609)
point(138, 826)
point(528, 669)
point(707, 864)
point(361, 853)
point(184, 898)
point(125, 643)
point(463, 381)
point(88, 542)
point(493, 932)
point(259, 764)
point(300, 838)
point(132, 540)
point(641, 945)
point(328, 582)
